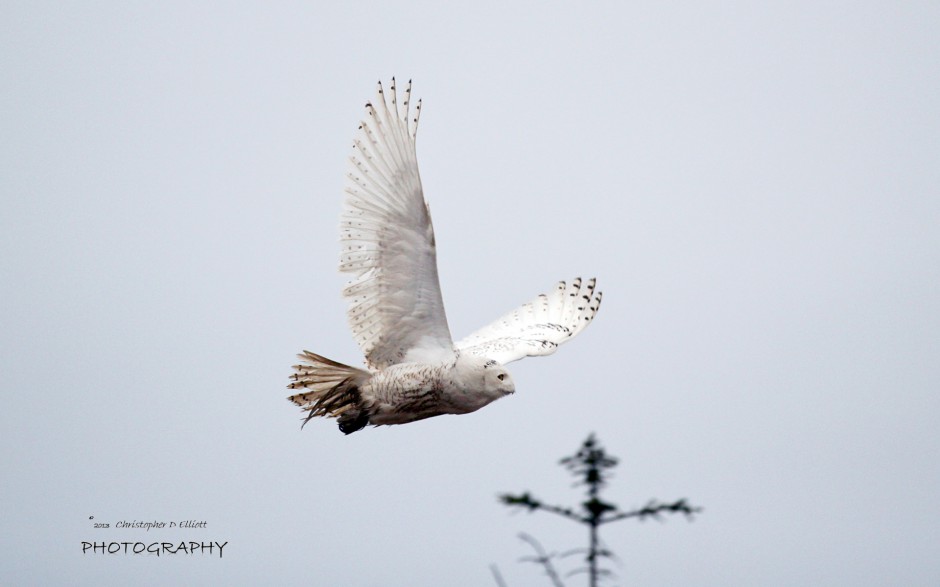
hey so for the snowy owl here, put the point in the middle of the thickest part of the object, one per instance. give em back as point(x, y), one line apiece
point(414, 370)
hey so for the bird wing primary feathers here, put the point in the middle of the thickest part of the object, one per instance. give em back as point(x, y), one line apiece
point(395, 307)
point(538, 327)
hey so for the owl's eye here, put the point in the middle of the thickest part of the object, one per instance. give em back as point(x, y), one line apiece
point(501, 376)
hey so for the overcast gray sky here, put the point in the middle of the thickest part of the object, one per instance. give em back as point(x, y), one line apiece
point(755, 187)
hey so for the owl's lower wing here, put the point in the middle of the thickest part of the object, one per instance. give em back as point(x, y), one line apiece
point(538, 327)
point(395, 307)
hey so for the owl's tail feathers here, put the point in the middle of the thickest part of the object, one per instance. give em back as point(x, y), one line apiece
point(330, 389)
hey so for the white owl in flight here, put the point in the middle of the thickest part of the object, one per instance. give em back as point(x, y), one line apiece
point(414, 369)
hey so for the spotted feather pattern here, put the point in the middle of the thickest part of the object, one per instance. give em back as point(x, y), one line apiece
point(395, 310)
point(538, 327)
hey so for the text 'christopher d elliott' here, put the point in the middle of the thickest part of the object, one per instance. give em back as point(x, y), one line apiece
point(184, 524)
point(156, 548)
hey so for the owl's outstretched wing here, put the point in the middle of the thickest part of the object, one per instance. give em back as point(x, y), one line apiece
point(395, 308)
point(538, 327)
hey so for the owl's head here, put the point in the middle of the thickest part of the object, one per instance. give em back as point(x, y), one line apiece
point(484, 376)
point(497, 379)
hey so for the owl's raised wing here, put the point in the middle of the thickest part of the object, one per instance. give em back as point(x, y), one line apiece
point(538, 327)
point(395, 308)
